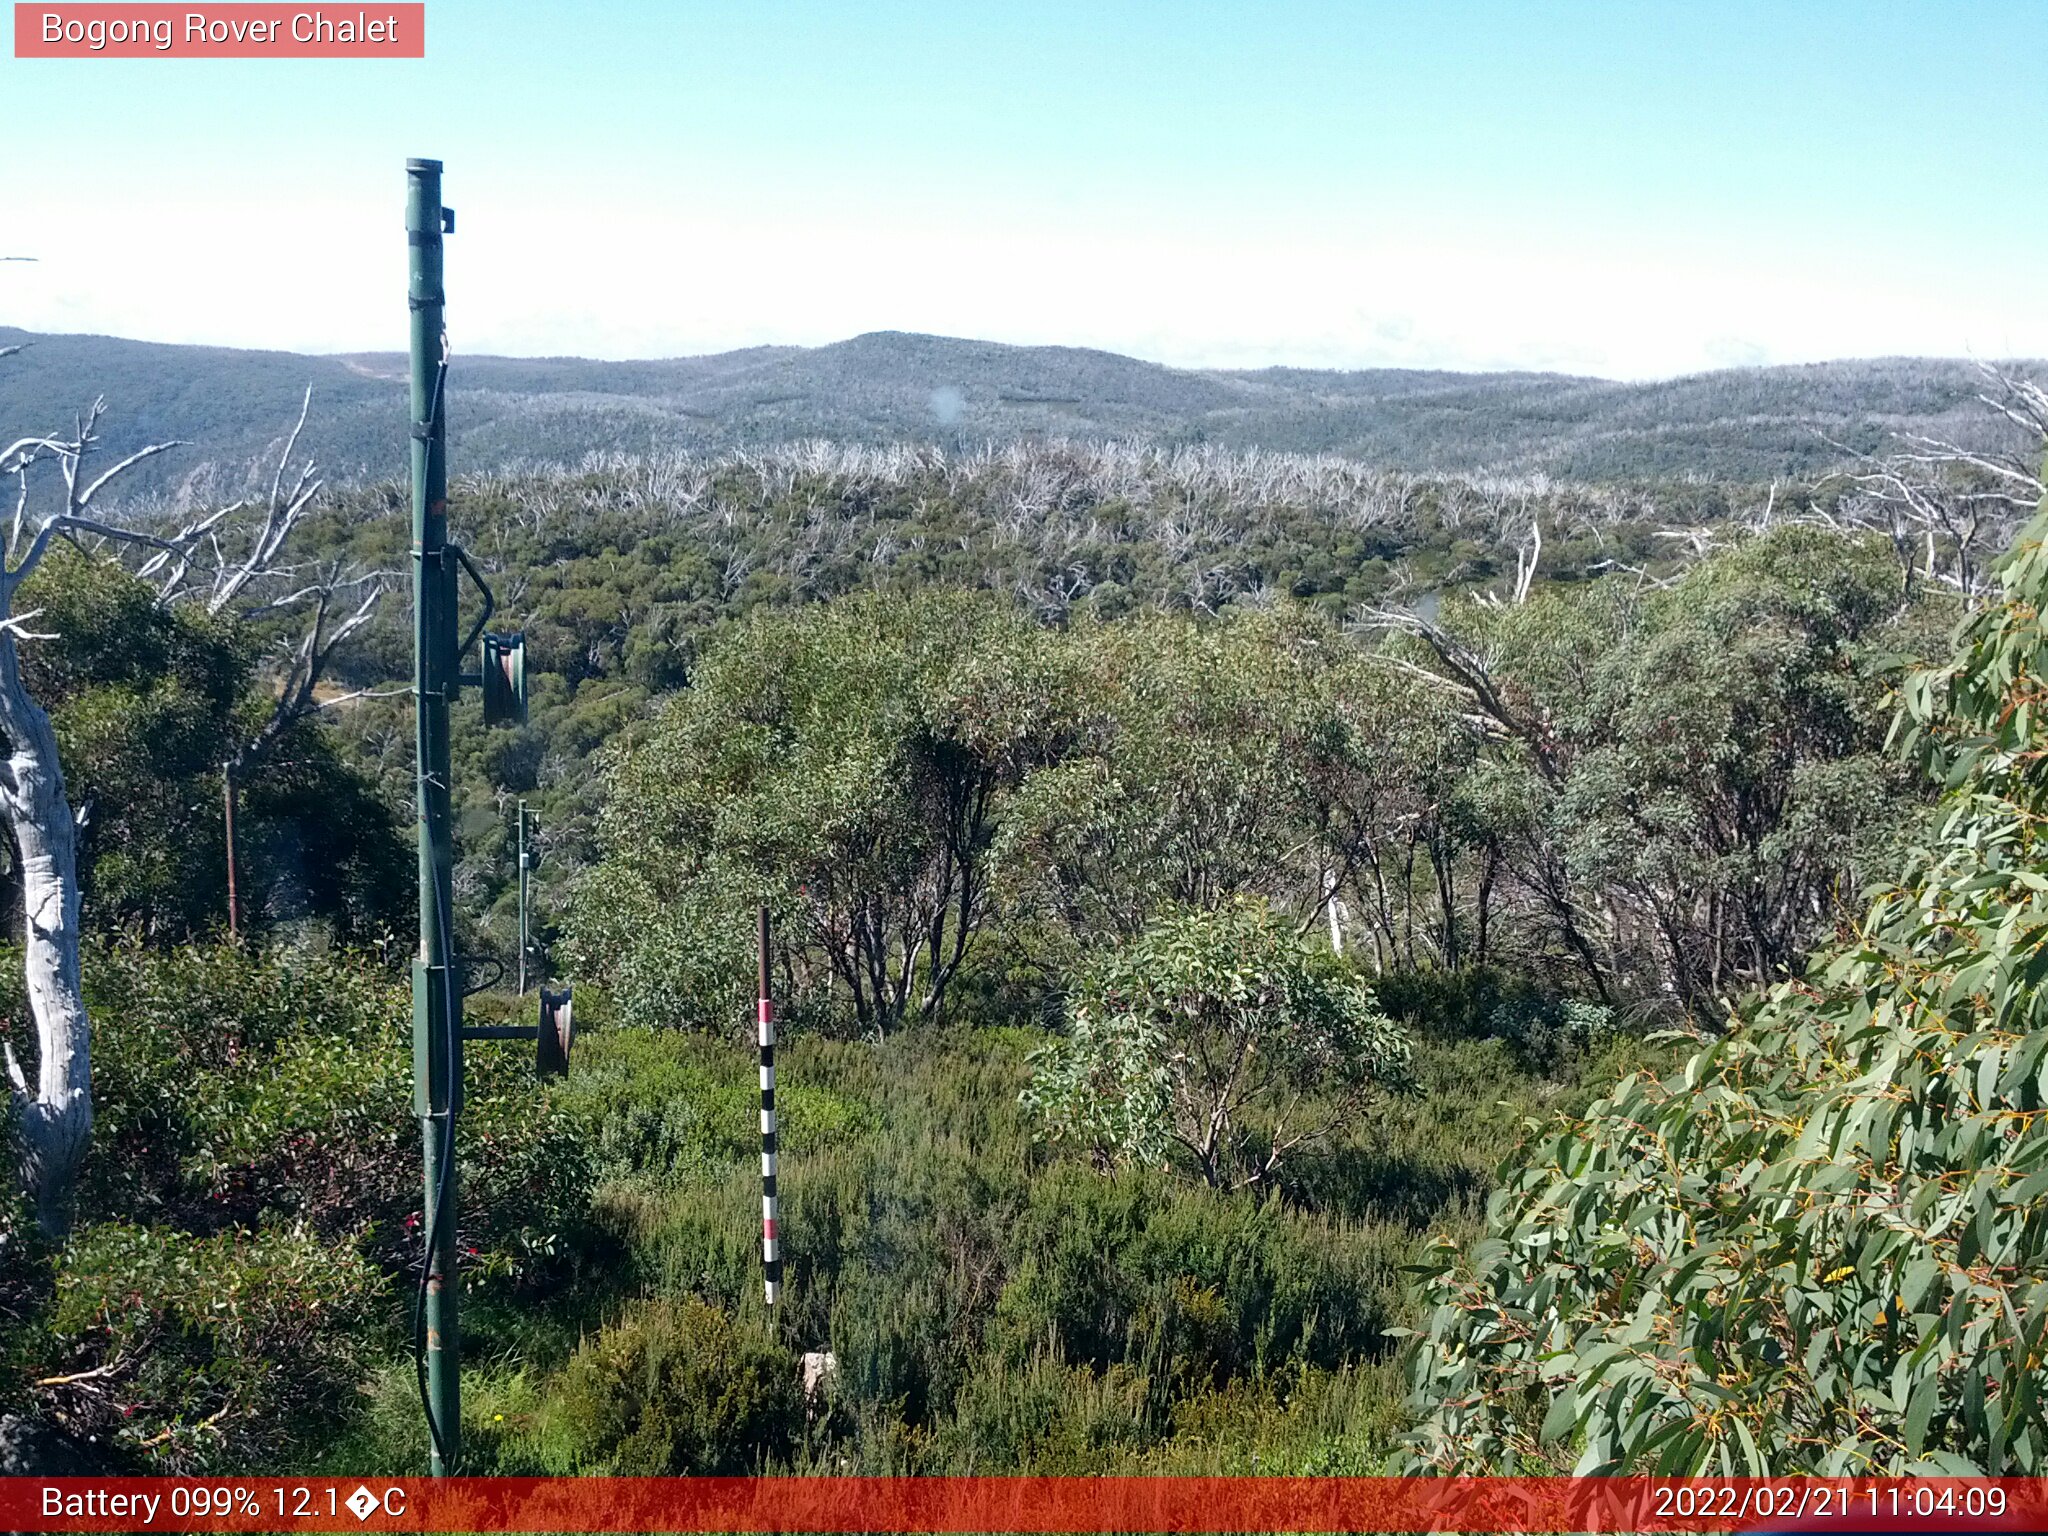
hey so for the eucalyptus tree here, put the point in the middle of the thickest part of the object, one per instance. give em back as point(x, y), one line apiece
point(53, 1119)
point(1687, 778)
point(1821, 1245)
point(845, 763)
point(1219, 1037)
point(1235, 756)
point(240, 556)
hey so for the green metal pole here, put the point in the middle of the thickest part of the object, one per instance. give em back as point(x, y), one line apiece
point(436, 997)
point(523, 941)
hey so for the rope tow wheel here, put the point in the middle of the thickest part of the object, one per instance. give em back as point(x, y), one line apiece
point(554, 1032)
point(504, 679)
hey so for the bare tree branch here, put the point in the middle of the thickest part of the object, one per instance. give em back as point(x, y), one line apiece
point(133, 459)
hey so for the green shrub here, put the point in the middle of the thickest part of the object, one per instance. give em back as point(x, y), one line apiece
point(1482, 1002)
point(964, 1282)
point(1306, 1423)
point(679, 1388)
point(1455, 1004)
point(663, 1104)
point(1547, 1029)
point(527, 1167)
point(241, 1086)
point(1822, 1246)
point(1470, 1002)
point(147, 701)
point(1187, 1287)
point(1047, 1419)
point(26, 1275)
point(1217, 1038)
point(217, 1352)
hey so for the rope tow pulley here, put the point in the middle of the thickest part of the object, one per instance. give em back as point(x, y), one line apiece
point(504, 679)
point(556, 1030)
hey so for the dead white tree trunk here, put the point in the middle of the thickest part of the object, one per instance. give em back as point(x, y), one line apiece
point(239, 553)
point(237, 560)
point(1951, 502)
point(52, 1118)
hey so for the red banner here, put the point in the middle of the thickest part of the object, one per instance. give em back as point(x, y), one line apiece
point(1033, 1504)
point(231, 31)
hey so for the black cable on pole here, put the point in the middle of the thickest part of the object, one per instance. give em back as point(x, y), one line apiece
point(435, 1216)
point(432, 1224)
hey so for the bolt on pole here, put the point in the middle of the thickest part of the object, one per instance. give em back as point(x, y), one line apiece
point(436, 993)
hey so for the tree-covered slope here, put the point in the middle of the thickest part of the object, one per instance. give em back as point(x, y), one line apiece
point(887, 387)
point(1822, 1245)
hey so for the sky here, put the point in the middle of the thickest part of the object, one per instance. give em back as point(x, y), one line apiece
point(1633, 190)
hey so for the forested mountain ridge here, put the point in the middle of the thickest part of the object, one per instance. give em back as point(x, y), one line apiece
point(1487, 776)
point(1742, 424)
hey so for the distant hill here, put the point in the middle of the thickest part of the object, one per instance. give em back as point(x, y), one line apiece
point(1741, 424)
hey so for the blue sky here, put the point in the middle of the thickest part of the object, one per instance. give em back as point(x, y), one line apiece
point(1625, 189)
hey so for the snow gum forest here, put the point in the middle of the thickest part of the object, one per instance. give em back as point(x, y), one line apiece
point(1322, 959)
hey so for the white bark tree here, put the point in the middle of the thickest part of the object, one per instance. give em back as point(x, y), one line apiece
point(238, 559)
point(232, 558)
point(53, 1118)
point(1947, 509)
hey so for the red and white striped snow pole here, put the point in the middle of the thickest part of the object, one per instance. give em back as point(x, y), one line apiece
point(771, 1237)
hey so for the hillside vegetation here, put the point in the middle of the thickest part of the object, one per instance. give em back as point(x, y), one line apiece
point(1208, 889)
point(1820, 1245)
point(1747, 425)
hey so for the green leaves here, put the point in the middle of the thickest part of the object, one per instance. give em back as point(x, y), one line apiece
point(1696, 771)
point(147, 703)
point(1862, 1156)
point(845, 764)
point(895, 774)
point(1218, 1037)
point(681, 1388)
point(230, 1349)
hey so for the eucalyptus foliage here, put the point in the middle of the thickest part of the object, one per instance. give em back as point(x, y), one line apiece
point(147, 703)
point(1218, 1037)
point(1690, 779)
point(845, 764)
point(1257, 754)
point(1823, 1245)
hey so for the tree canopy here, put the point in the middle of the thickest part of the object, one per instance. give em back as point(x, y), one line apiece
point(1822, 1245)
point(1219, 1037)
point(148, 702)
